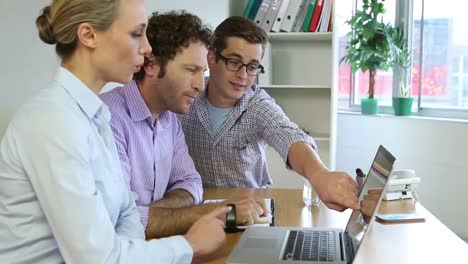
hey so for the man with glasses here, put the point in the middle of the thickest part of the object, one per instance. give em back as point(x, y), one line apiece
point(230, 123)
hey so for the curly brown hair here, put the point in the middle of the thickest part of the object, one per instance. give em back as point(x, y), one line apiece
point(168, 33)
point(240, 27)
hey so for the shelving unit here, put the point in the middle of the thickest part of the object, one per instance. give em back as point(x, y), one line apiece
point(301, 76)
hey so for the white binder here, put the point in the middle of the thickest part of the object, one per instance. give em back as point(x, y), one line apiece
point(297, 27)
point(271, 15)
point(262, 11)
point(280, 16)
point(325, 16)
point(291, 14)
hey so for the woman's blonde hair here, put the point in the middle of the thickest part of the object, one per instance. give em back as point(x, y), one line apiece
point(58, 22)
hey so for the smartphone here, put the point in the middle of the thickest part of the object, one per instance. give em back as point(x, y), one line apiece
point(399, 218)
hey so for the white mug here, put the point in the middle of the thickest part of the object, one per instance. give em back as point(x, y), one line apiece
point(403, 174)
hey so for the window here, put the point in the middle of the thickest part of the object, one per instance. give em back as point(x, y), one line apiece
point(347, 92)
point(439, 73)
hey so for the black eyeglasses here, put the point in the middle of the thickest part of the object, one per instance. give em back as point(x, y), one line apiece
point(253, 69)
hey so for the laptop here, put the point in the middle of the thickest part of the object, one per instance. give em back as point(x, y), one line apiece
point(315, 245)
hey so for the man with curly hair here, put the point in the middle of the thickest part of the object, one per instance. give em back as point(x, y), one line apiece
point(149, 137)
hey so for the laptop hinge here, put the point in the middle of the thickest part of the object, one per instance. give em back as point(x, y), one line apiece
point(342, 246)
point(348, 248)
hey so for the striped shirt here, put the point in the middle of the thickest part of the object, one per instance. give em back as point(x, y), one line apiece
point(154, 158)
point(235, 156)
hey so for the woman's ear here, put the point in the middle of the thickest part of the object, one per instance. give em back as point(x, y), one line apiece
point(86, 35)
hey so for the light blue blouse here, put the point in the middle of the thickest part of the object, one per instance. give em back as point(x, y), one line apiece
point(62, 194)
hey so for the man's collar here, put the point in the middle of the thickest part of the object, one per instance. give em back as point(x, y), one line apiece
point(136, 104)
point(138, 109)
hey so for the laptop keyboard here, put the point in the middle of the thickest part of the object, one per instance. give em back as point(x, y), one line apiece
point(310, 245)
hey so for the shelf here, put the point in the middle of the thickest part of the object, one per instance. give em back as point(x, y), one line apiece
point(301, 36)
point(289, 86)
point(321, 139)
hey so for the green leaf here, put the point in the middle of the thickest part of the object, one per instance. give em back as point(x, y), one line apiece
point(373, 44)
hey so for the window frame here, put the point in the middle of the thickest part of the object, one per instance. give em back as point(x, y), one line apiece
point(404, 18)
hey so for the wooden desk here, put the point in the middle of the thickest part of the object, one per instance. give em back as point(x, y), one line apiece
point(428, 242)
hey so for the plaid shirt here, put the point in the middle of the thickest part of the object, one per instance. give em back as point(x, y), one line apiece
point(235, 157)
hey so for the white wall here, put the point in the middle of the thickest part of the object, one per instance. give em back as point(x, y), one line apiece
point(27, 64)
point(437, 150)
point(211, 12)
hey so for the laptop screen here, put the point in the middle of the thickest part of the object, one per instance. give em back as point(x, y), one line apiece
point(376, 179)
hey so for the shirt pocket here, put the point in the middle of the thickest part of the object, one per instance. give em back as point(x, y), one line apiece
point(245, 144)
point(243, 153)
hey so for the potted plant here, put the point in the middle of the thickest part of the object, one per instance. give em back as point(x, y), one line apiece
point(374, 45)
point(402, 105)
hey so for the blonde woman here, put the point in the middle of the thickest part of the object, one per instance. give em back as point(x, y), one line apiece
point(62, 195)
